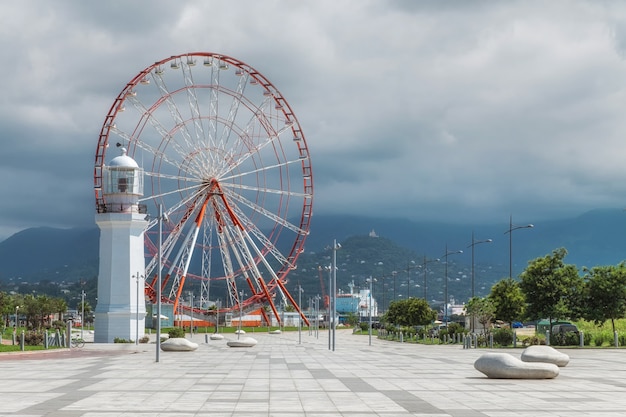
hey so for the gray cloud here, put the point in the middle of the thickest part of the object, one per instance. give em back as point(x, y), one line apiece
point(427, 110)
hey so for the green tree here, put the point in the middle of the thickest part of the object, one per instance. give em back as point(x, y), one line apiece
point(508, 300)
point(481, 308)
point(552, 288)
point(352, 319)
point(411, 312)
point(605, 293)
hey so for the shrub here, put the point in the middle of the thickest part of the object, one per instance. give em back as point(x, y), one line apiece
point(503, 337)
point(176, 332)
point(532, 340)
point(33, 338)
point(600, 338)
point(121, 340)
point(454, 328)
point(144, 339)
point(565, 339)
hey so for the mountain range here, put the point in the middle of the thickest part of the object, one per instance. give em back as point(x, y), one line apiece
point(597, 237)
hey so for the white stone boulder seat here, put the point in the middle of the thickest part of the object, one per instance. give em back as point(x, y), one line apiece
point(506, 366)
point(178, 344)
point(545, 354)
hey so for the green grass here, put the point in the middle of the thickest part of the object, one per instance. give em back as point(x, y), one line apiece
point(16, 348)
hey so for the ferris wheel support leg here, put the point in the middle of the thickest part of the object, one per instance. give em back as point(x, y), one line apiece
point(268, 297)
point(266, 317)
point(293, 302)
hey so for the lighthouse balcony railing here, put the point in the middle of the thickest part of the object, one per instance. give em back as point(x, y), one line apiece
point(122, 208)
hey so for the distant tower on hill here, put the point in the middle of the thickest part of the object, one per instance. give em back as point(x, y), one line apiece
point(121, 309)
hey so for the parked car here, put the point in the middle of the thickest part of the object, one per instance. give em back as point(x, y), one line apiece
point(563, 328)
point(518, 325)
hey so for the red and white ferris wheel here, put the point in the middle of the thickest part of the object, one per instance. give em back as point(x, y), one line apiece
point(225, 157)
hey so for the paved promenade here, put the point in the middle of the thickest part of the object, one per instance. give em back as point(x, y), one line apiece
point(280, 377)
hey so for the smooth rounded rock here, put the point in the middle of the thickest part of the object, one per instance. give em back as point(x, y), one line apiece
point(216, 336)
point(178, 344)
point(505, 366)
point(546, 354)
point(242, 342)
point(277, 331)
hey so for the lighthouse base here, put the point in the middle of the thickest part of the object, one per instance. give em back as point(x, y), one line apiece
point(120, 325)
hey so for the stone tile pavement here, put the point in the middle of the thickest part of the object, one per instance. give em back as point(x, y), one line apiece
point(281, 377)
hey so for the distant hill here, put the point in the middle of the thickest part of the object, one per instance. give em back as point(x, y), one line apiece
point(45, 253)
point(595, 238)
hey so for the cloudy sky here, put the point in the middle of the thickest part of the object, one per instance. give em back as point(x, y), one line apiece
point(456, 111)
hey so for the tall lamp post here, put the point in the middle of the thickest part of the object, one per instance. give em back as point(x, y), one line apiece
point(510, 232)
point(336, 247)
point(82, 314)
point(445, 301)
point(300, 291)
point(471, 245)
point(161, 218)
point(138, 278)
point(424, 263)
point(369, 305)
point(241, 294)
point(408, 277)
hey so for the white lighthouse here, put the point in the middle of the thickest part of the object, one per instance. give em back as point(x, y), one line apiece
point(121, 309)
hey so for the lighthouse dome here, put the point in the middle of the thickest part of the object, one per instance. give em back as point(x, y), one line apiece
point(123, 161)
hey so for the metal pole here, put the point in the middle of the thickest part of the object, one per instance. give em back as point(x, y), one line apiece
point(240, 314)
point(299, 318)
point(159, 277)
point(370, 311)
point(191, 325)
point(334, 288)
point(82, 314)
point(510, 232)
point(330, 306)
point(445, 298)
point(137, 313)
point(511, 246)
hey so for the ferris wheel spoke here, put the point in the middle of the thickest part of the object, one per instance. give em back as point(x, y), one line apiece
point(268, 214)
point(261, 169)
point(192, 98)
point(174, 110)
point(250, 226)
point(148, 117)
point(173, 177)
point(232, 113)
point(264, 189)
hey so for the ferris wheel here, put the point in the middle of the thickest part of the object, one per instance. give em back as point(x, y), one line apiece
point(226, 161)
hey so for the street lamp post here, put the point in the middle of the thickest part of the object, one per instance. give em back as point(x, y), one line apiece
point(445, 301)
point(240, 314)
point(336, 247)
point(471, 245)
point(317, 315)
point(369, 305)
point(300, 291)
point(424, 271)
point(159, 280)
point(191, 323)
point(408, 277)
point(510, 232)
point(82, 314)
point(138, 279)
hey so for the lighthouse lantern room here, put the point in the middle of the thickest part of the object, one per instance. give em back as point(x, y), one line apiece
point(120, 311)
